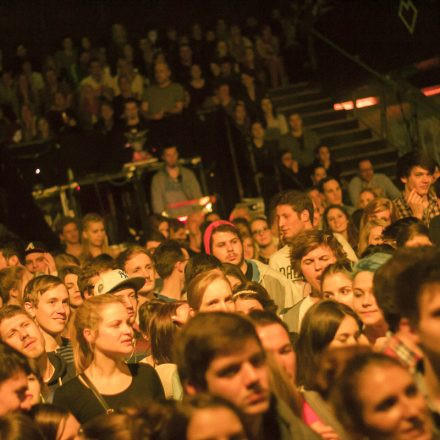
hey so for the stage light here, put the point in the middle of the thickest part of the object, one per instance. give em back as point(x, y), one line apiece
point(37, 171)
point(431, 90)
point(359, 103)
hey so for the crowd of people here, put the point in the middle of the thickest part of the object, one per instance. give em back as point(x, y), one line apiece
point(290, 326)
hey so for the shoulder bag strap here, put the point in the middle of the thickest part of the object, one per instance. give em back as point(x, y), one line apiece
point(97, 394)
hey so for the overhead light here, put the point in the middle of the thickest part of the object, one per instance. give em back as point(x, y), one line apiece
point(431, 90)
point(359, 103)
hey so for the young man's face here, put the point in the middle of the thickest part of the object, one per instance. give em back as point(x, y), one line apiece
point(141, 266)
point(52, 311)
point(314, 263)
point(419, 179)
point(290, 222)
point(227, 247)
point(130, 301)
point(7, 262)
point(13, 392)
point(333, 192)
point(70, 234)
point(21, 332)
point(428, 328)
point(366, 170)
point(95, 233)
point(170, 156)
point(35, 262)
point(242, 378)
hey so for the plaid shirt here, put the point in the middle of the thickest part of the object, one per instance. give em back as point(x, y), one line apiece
point(396, 348)
point(403, 210)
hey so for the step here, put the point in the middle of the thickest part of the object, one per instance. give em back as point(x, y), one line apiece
point(384, 155)
point(344, 136)
point(388, 168)
point(291, 88)
point(358, 148)
point(322, 116)
point(307, 107)
point(303, 96)
point(344, 123)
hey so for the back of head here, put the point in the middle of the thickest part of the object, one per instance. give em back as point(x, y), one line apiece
point(10, 278)
point(410, 231)
point(198, 285)
point(205, 337)
point(10, 246)
point(255, 291)
point(48, 418)
point(166, 256)
point(12, 363)
point(17, 426)
point(200, 263)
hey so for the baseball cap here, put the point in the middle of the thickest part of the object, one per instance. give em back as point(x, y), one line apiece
point(115, 280)
point(35, 246)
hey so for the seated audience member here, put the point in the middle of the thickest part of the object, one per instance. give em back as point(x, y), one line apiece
point(337, 220)
point(234, 274)
point(17, 425)
point(205, 416)
point(262, 235)
point(323, 158)
point(337, 283)
point(198, 88)
point(136, 261)
point(69, 276)
point(371, 233)
point(210, 291)
point(402, 340)
point(417, 301)
point(367, 178)
point(172, 185)
point(317, 173)
point(369, 382)
point(158, 223)
point(18, 330)
point(94, 237)
point(332, 191)
point(379, 208)
point(55, 422)
point(291, 176)
point(222, 98)
point(103, 339)
point(222, 239)
point(11, 252)
point(252, 296)
point(38, 260)
point(212, 343)
point(276, 124)
point(300, 141)
point(365, 197)
point(14, 369)
point(413, 235)
point(251, 92)
point(311, 252)
point(12, 283)
point(415, 170)
point(364, 303)
point(46, 299)
point(68, 233)
point(170, 259)
point(164, 324)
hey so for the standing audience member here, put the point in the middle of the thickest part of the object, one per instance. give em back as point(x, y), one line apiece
point(94, 237)
point(264, 239)
point(69, 235)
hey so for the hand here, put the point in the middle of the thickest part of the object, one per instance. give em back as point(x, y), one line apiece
point(295, 166)
point(51, 268)
point(326, 432)
point(415, 202)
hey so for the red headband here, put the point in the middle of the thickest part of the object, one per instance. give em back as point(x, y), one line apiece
point(210, 230)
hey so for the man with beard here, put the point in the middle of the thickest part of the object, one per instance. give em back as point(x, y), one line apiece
point(172, 185)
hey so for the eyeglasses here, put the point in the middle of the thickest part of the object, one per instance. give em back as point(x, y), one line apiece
point(259, 231)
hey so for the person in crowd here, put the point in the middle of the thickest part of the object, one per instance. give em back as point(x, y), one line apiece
point(376, 397)
point(170, 259)
point(198, 88)
point(233, 273)
point(12, 283)
point(332, 192)
point(251, 92)
point(46, 299)
point(98, 80)
point(300, 141)
point(364, 303)
point(38, 260)
point(367, 178)
point(415, 170)
point(14, 369)
point(193, 225)
point(262, 235)
point(291, 175)
point(323, 158)
point(337, 220)
point(212, 343)
point(275, 122)
point(311, 252)
point(158, 223)
point(366, 195)
point(413, 235)
point(210, 291)
point(173, 185)
point(68, 232)
point(63, 260)
point(379, 208)
point(55, 422)
point(337, 283)
point(90, 274)
point(222, 98)
point(318, 173)
point(19, 331)
point(222, 239)
point(103, 338)
point(94, 236)
point(69, 276)
point(18, 425)
point(61, 117)
point(136, 261)
point(11, 251)
point(251, 296)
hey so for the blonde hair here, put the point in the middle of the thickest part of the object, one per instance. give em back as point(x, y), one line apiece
point(38, 286)
point(88, 316)
point(11, 278)
point(364, 233)
point(85, 222)
point(378, 205)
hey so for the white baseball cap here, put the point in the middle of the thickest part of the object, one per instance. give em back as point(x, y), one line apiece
point(115, 280)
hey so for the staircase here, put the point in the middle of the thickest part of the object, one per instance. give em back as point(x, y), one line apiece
point(348, 140)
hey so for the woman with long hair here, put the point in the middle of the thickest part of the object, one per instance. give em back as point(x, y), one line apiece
point(102, 338)
point(94, 236)
point(336, 220)
point(276, 124)
point(371, 233)
point(379, 208)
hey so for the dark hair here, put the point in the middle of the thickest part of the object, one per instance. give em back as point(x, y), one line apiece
point(410, 231)
point(49, 418)
point(318, 328)
point(297, 200)
point(10, 311)
point(392, 231)
point(130, 253)
point(352, 232)
point(166, 256)
point(377, 249)
point(412, 281)
point(153, 222)
point(234, 271)
point(253, 290)
point(417, 158)
point(145, 313)
point(93, 268)
point(12, 362)
point(223, 228)
point(327, 179)
point(66, 270)
point(263, 318)
point(207, 336)
point(10, 246)
point(200, 263)
point(17, 426)
point(64, 221)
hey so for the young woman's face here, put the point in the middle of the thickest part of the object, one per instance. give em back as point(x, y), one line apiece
point(248, 248)
point(375, 236)
point(392, 406)
point(33, 393)
point(364, 303)
point(95, 233)
point(217, 297)
point(164, 229)
point(365, 198)
point(338, 287)
point(114, 336)
point(347, 334)
point(384, 214)
point(337, 220)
